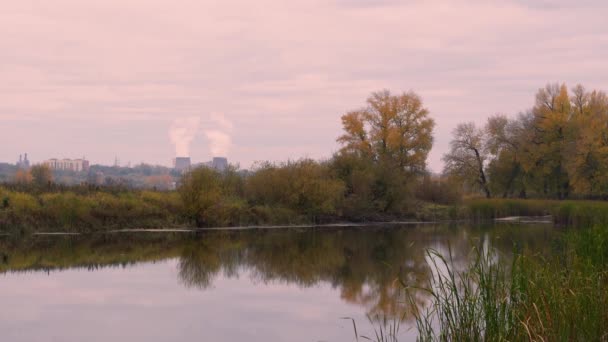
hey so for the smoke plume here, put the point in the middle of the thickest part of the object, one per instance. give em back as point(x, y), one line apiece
point(219, 134)
point(181, 133)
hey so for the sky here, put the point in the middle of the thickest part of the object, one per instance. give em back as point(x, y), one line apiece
point(142, 80)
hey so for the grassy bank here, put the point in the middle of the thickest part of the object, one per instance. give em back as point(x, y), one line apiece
point(215, 200)
point(71, 211)
point(572, 212)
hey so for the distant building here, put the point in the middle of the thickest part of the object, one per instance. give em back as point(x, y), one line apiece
point(181, 163)
point(219, 163)
point(77, 165)
point(23, 162)
point(184, 164)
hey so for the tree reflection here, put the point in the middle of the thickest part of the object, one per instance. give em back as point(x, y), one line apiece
point(368, 266)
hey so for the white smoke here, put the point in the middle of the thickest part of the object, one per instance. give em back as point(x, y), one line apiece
point(181, 133)
point(219, 134)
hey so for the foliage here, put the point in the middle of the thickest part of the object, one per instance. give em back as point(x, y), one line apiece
point(200, 190)
point(439, 190)
point(557, 149)
point(22, 177)
point(304, 186)
point(393, 128)
point(77, 210)
point(384, 151)
point(41, 175)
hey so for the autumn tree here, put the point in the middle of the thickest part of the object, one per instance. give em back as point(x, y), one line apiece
point(467, 156)
point(23, 177)
point(552, 131)
point(200, 190)
point(392, 128)
point(42, 175)
point(587, 154)
point(383, 146)
point(558, 147)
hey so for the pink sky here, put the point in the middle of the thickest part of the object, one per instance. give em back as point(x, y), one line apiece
point(271, 79)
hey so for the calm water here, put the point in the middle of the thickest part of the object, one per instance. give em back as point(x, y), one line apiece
point(253, 285)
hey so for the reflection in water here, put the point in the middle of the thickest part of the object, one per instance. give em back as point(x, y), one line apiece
point(362, 264)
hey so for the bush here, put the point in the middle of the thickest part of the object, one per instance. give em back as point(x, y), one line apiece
point(303, 186)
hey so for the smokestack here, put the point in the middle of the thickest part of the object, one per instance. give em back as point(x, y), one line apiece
point(219, 163)
point(182, 163)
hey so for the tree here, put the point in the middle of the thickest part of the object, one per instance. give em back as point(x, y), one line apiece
point(467, 156)
point(200, 190)
point(393, 128)
point(384, 146)
point(558, 147)
point(587, 156)
point(355, 138)
point(504, 141)
point(23, 177)
point(552, 130)
point(41, 175)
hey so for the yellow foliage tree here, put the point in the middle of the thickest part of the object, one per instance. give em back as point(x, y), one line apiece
point(587, 162)
point(393, 128)
point(42, 175)
point(23, 177)
point(545, 152)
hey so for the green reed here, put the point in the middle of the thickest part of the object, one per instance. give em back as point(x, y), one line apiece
point(558, 298)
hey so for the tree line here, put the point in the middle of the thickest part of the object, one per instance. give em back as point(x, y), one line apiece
point(375, 175)
point(557, 149)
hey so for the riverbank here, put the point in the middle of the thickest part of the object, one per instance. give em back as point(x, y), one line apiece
point(83, 210)
point(567, 212)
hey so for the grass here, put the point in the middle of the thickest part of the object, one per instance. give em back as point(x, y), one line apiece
point(384, 329)
point(487, 209)
point(89, 209)
point(581, 213)
point(98, 210)
point(473, 304)
point(558, 298)
point(70, 211)
point(578, 213)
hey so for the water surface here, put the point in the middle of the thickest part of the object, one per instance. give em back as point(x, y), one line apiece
point(250, 285)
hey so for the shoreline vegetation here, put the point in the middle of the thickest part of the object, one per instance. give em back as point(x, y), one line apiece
point(83, 209)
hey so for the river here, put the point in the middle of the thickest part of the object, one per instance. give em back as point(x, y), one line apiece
point(294, 284)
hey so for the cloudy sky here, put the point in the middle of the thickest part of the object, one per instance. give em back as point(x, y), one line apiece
point(269, 80)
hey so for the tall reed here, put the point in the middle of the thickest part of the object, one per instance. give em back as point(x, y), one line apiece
point(558, 298)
